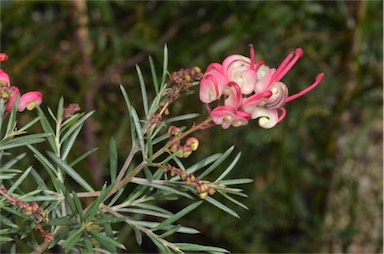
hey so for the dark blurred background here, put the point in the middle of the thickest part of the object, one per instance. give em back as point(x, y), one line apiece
point(317, 175)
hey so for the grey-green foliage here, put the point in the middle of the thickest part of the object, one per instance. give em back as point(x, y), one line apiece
point(83, 218)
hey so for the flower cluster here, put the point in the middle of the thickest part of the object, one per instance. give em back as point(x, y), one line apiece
point(9, 93)
point(183, 151)
point(245, 89)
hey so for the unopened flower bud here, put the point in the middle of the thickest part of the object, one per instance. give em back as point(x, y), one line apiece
point(193, 178)
point(196, 69)
point(180, 153)
point(35, 207)
point(193, 143)
point(203, 195)
point(211, 191)
point(175, 147)
point(3, 57)
point(203, 187)
point(183, 175)
point(28, 211)
point(174, 131)
point(187, 151)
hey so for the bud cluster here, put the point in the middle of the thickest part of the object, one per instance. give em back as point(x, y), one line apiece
point(183, 80)
point(183, 151)
point(32, 210)
point(202, 189)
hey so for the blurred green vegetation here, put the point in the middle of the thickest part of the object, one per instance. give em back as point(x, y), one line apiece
point(297, 166)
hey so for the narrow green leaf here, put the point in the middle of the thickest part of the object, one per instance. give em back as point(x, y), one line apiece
point(5, 239)
point(13, 211)
point(70, 171)
point(129, 106)
point(161, 246)
point(60, 108)
point(165, 188)
point(177, 216)
point(61, 221)
point(113, 159)
point(29, 124)
point(95, 205)
point(116, 196)
point(148, 174)
point(236, 181)
point(75, 127)
point(73, 239)
point(12, 117)
point(233, 200)
point(143, 90)
point(200, 248)
point(154, 75)
point(229, 168)
point(170, 232)
point(109, 243)
point(221, 206)
point(19, 181)
point(217, 162)
point(153, 208)
point(165, 65)
point(12, 161)
point(22, 141)
point(79, 207)
point(47, 129)
point(149, 145)
point(181, 118)
point(109, 219)
point(40, 182)
point(46, 164)
point(7, 222)
point(206, 161)
point(143, 211)
point(67, 146)
point(88, 244)
point(68, 199)
point(82, 157)
point(138, 235)
point(140, 135)
point(150, 224)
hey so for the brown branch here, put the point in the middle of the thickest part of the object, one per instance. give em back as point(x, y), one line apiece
point(80, 19)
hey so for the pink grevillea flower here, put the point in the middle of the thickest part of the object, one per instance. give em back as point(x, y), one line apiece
point(227, 116)
point(249, 90)
point(212, 84)
point(9, 93)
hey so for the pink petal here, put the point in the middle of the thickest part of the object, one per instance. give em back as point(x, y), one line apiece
point(29, 100)
point(11, 101)
point(212, 85)
point(224, 116)
point(4, 76)
point(268, 118)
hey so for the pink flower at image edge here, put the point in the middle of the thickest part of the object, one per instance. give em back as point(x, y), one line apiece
point(9, 93)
